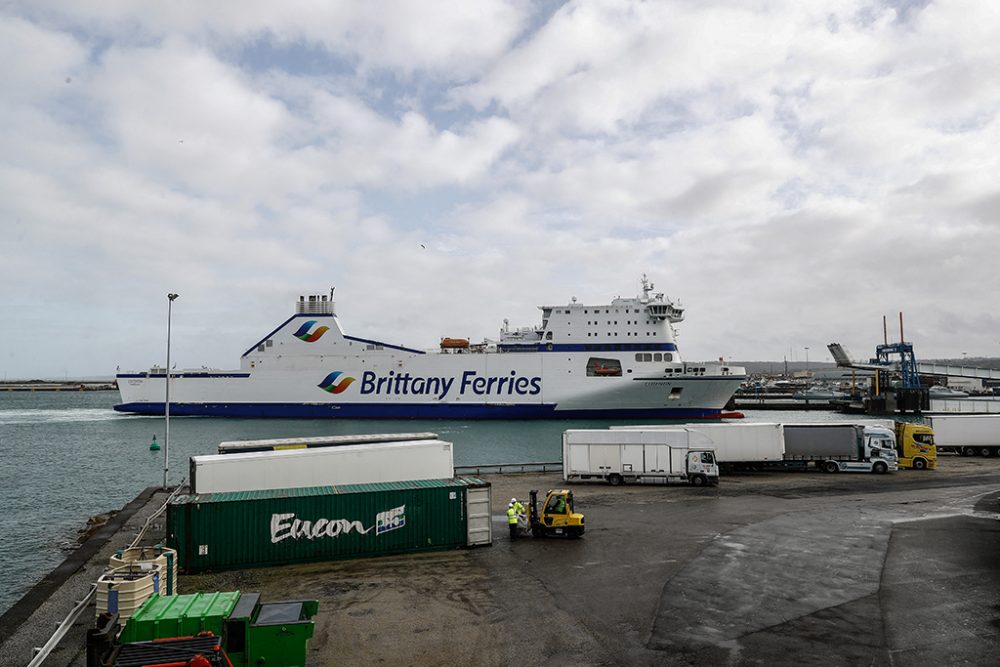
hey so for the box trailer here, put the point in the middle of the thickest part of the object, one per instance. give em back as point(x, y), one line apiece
point(656, 456)
point(737, 446)
point(220, 531)
point(277, 444)
point(300, 468)
point(971, 435)
point(837, 446)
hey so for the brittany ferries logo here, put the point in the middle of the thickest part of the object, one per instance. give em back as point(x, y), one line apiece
point(331, 384)
point(405, 384)
point(304, 335)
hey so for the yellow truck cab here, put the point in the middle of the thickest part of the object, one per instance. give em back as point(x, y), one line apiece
point(915, 446)
point(914, 443)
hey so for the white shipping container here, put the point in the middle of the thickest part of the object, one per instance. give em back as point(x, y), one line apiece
point(299, 468)
point(234, 446)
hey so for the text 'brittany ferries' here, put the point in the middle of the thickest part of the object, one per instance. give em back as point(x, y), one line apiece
point(405, 384)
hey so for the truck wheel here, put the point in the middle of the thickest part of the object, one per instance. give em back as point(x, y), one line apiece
point(985, 451)
point(880, 468)
point(831, 466)
point(615, 479)
point(919, 464)
point(698, 480)
point(968, 451)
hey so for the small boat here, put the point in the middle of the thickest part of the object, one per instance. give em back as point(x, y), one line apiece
point(938, 391)
point(819, 394)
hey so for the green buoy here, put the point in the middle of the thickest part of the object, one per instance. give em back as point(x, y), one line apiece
point(154, 446)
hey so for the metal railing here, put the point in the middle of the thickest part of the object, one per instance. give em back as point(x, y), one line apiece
point(40, 654)
point(502, 468)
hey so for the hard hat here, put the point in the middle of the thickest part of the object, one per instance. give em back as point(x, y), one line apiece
point(513, 500)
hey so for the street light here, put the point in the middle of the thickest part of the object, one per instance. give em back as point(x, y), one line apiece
point(807, 360)
point(166, 402)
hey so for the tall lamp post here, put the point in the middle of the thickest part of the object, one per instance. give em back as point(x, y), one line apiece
point(166, 402)
point(807, 360)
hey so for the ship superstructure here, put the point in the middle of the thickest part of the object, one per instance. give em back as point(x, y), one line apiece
point(613, 360)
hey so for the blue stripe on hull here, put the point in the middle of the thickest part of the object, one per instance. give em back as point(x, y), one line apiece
point(407, 411)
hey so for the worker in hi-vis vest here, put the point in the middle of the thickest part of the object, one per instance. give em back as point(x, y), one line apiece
point(512, 521)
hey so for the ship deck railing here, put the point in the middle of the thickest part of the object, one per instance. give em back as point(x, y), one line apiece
point(501, 468)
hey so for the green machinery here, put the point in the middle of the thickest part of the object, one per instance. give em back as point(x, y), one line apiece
point(253, 632)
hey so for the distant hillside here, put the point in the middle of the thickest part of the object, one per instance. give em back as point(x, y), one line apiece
point(779, 367)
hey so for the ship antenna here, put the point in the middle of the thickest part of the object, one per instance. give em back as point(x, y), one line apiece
point(646, 286)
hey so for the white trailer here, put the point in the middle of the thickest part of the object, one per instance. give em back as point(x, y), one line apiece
point(660, 456)
point(324, 466)
point(737, 446)
point(971, 435)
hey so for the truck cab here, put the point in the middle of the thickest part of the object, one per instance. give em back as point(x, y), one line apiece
point(879, 457)
point(913, 443)
point(915, 446)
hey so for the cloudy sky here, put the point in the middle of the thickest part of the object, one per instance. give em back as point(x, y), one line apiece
point(790, 171)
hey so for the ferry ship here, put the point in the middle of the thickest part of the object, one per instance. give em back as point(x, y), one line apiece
point(618, 360)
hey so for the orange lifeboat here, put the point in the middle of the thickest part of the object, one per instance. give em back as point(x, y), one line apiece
point(454, 343)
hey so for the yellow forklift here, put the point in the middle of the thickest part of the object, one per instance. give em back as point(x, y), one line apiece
point(555, 516)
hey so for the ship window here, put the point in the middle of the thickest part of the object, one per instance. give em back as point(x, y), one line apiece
point(668, 357)
point(269, 343)
point(598, 367)
point(567, 312)
point(657, 357)
point(638, 357)
point(675, 393)
point(548, 335)
point(260, 348)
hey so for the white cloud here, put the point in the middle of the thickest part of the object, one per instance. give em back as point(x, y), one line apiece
point(791, 171)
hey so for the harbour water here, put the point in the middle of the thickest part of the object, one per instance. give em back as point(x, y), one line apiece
point(67, 456)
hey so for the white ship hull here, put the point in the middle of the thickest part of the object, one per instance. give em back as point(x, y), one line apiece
point(307, 367)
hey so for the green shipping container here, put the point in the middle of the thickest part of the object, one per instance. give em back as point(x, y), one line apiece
point(221, 531)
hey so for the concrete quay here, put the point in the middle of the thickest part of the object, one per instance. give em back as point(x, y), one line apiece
point(765, 569)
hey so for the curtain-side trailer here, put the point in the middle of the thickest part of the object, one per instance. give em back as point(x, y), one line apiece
point(827, 446)
point(837, 446)
point(660, 456)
